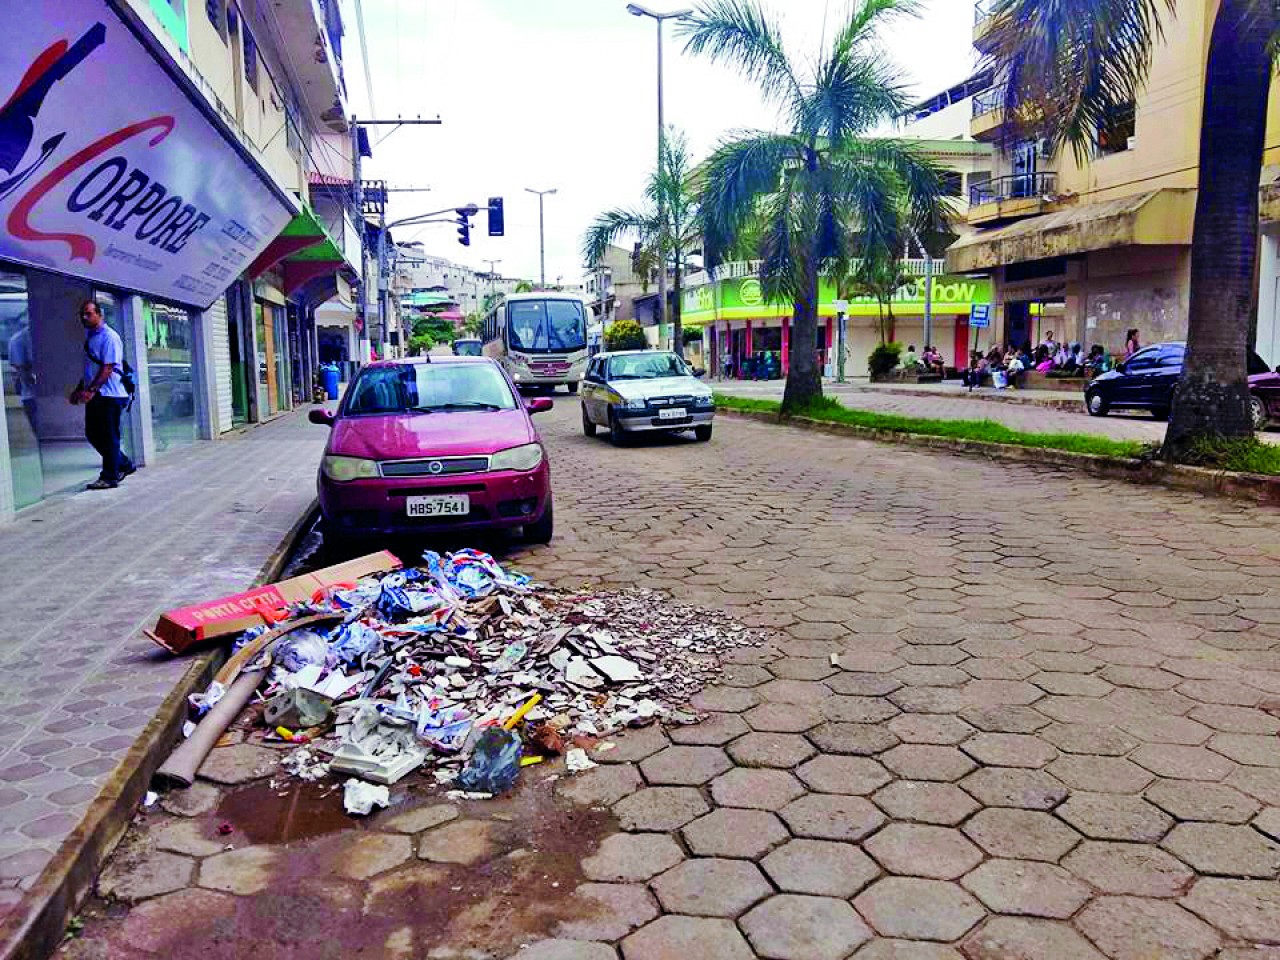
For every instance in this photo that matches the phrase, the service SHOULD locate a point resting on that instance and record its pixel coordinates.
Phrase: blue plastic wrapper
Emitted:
(356, 640)
(470, 573)
(495, 763)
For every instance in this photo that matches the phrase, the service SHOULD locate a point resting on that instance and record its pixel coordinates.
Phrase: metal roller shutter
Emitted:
(221, 361)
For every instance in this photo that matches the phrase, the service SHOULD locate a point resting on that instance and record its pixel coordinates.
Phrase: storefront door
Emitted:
(265, 323)
(169, 370)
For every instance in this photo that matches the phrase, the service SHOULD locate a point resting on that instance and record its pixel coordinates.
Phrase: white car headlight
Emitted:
(345, 469)
(633, 404)
(525, 457)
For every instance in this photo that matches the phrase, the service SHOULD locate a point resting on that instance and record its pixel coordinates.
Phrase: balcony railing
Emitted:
(1017, 187)
(988, 101)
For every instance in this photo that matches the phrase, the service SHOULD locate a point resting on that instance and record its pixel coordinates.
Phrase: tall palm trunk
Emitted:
(1213, 397)
(804, 380)
(677, 323)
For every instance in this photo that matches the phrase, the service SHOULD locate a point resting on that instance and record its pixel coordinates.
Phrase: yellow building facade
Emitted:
(1090, 247)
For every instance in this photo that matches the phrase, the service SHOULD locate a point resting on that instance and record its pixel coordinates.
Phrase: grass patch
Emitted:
(1248, 455)
(829, 409)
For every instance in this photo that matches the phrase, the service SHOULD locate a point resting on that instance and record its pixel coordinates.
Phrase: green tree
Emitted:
(524, 286)
(1072, 65)
(665, 238)
(824, 190)
(473, 324)
(879, 277)
(625, 335)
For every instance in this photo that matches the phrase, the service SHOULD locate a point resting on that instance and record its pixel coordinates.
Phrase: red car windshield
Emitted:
(429, 388)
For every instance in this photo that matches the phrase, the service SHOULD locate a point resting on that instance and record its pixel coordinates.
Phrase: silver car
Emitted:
(633, 391)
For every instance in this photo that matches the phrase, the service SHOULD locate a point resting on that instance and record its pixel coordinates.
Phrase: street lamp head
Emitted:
(638, 10)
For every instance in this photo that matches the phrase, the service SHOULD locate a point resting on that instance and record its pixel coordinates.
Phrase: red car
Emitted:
(433, 444)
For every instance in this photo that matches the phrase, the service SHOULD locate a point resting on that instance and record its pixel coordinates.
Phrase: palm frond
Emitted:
(738, 175)
(740, 33)
(851, 95)
(865, 20)
(611, 225)
(1069, 66)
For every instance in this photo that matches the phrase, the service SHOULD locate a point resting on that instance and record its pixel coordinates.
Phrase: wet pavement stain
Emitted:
(313, 899)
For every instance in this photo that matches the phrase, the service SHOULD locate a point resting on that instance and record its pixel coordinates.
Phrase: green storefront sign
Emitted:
(743, 299)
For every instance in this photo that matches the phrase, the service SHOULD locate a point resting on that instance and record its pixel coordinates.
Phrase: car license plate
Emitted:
(672, 413)
(450, 505)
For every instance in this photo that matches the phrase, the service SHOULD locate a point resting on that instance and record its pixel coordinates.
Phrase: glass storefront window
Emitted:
(21, 398)
(266, 364)
(169, 364)
(284, 393)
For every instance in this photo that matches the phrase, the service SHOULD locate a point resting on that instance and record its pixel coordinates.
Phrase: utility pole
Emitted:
(492, 275)
(357, 196)
(542, 235)
(928, 291)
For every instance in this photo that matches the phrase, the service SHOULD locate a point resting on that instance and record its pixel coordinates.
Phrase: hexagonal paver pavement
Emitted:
(820, 867)
(1009, 750)
(791, 927)
(602, 786)
(685, 766)
(918, 761)
(832, 817)
(1105, 816)
(711, 888)
(854, 776)
(1129, 868)
(1225, 850)
(857, 739)
(1245, 909)
(632, 858)
(1008, 787)
(782, 718)
(660, 809)
(567, 950)
(929, 728)
(916, 850)
(674, 936)
(1027, 888)
(1006, 938)
(756, 789)
(612, 911)
(1021, 834)
(1213, 802)
(745, 834)
(916, 909)
(781, 750)
(1100, 774)
(462, 841)
(1134, 928)
(924, 801)
(715, 730)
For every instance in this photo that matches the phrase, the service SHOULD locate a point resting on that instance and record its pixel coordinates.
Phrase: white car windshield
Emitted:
(430, 388)
(647, 366)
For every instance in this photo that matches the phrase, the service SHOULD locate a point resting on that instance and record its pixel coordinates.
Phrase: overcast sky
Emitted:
(562, 94)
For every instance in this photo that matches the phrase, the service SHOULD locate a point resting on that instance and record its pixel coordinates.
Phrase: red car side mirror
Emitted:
(322, 417)
(539, 404)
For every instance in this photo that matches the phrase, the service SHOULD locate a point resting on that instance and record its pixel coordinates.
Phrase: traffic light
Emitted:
(497, 223)
(464, 227)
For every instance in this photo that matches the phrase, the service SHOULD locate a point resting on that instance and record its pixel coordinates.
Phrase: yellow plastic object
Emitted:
(285, 732)
(524, 708)
(530, 761)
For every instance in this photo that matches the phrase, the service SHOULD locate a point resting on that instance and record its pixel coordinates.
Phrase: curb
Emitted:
(1250, 487)
(1021, 398)
(35, 927)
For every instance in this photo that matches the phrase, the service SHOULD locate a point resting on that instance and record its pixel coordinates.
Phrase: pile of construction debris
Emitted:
(473, 669)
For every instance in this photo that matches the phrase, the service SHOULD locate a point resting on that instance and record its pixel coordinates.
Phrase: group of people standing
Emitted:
(1007, 368)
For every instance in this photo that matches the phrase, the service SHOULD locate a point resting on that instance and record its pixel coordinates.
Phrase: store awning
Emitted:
(302, 232)
(1154, 218)
(304, 252)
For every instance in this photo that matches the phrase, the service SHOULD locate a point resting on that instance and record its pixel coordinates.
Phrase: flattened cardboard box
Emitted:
(179, 630)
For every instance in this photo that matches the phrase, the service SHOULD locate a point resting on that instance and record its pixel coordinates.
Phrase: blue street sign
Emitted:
(980, 315)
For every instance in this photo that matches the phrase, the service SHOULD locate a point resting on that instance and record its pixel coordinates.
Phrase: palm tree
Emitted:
(824, 191)
(664, 240)
(878, 277)
(1070, 65)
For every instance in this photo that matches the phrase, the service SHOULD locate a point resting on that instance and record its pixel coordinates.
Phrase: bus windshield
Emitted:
(546, 326)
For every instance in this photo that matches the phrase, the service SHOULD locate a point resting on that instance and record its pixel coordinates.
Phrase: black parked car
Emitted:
(1145, 381)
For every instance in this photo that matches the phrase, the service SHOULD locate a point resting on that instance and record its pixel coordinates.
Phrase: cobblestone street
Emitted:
(1017, 714)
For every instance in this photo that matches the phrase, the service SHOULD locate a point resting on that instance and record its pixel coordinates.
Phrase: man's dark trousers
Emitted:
(102, 429)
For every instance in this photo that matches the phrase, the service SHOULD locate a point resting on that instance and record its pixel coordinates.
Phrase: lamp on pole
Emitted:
(542, 234)
(639, 10)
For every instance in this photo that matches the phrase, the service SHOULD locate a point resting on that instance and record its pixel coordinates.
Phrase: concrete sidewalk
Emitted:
(83, 574)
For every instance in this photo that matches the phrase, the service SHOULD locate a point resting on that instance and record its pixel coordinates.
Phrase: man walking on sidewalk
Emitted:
(102, 391)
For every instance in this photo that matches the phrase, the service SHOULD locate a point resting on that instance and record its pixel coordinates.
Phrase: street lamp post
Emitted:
(639, 10)
(493, 264)
(542, 234)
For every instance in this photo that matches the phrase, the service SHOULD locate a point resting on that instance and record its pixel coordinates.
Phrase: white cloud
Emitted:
(562, 93)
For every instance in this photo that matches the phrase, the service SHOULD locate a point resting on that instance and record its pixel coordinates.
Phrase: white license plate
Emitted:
(672, 413)
(450, 505)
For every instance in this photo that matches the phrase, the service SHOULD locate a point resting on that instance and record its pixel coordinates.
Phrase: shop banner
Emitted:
(109, 172)
(744, 298)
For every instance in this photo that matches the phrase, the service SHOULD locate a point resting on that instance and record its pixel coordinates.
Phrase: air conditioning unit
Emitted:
(1133, 143)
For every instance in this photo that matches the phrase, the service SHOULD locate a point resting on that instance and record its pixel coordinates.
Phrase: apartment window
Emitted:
(951, 183)
(217, 13)
(250, 59)
(1115, 132)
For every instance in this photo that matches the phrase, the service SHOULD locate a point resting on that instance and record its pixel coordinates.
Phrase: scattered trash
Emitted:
(360, 798)
(470, 667)
(149, 799)
(225, 829)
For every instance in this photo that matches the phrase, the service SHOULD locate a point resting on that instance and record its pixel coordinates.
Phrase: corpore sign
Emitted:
(109, 172)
